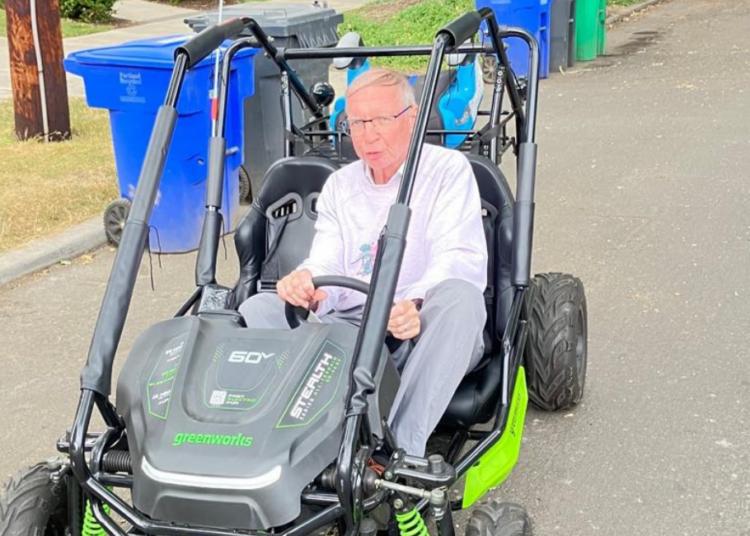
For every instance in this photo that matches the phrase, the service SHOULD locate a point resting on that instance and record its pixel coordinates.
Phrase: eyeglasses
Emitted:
(379, 124)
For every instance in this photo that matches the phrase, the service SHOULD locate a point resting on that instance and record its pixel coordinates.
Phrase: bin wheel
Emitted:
(489, 69)
(115, 216)
(246, 190)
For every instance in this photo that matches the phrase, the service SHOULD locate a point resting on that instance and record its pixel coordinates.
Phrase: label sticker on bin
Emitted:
(131, 81)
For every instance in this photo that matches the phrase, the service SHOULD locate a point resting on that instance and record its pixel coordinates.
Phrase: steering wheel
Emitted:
(294, 313)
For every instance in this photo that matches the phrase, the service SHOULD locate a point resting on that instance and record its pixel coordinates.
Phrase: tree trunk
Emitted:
(38, 97)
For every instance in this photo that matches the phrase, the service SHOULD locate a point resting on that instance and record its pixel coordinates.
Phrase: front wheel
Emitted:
(31, 503)
(499, 519)
(556, 349)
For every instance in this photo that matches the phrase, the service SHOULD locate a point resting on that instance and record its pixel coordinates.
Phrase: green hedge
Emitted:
(87, 10)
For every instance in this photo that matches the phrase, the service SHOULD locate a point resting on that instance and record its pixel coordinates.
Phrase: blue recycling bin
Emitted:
(533, 16)
(131, 80)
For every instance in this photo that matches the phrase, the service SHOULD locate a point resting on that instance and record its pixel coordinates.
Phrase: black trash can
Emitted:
(563, 31)
(291, 26)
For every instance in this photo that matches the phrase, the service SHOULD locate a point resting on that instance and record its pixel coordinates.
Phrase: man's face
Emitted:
(382, 147)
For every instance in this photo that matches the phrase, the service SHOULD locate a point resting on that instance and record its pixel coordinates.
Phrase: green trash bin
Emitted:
(591, 33)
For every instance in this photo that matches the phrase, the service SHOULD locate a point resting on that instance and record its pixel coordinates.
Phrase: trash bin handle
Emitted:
(203, 44)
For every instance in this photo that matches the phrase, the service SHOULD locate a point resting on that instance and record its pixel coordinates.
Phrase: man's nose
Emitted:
(369, 133)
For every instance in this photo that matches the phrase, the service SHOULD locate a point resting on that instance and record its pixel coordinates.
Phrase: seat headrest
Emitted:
(493, 187)
(298, 175)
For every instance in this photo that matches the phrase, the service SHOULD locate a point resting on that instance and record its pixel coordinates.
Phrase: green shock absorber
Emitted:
(91, 526)
(411, 524)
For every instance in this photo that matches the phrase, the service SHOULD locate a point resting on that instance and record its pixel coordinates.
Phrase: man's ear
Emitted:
(412, 113)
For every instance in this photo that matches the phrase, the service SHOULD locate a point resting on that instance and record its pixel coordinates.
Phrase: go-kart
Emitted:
(221, 429)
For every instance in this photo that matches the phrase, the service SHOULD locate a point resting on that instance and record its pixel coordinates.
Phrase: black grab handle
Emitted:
(462, 28)
(210, 39)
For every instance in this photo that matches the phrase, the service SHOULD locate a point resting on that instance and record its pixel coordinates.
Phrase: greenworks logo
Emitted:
(238, 440)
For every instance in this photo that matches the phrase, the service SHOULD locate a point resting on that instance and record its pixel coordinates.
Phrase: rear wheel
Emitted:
(31, 504)
(556, 348)
(499, 519)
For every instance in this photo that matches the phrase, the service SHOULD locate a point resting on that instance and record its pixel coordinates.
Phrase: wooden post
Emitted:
(38, 97)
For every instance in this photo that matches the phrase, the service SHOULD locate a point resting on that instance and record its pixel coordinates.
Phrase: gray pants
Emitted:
(450, 345)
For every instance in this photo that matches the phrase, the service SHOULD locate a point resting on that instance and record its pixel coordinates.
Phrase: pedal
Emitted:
(432, 472)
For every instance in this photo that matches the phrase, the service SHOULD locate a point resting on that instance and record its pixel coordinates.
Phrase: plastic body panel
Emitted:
(227, 425)
(497, 463)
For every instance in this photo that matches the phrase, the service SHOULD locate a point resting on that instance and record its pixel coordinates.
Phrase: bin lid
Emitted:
(152, 52)
(313, 24)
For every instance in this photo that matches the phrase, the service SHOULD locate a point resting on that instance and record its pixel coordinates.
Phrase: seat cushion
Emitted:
(282, 217)
(495, 192)
(476, 398)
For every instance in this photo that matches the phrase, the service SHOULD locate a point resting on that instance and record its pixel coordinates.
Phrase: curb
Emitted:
(43, 253)
(635, 9)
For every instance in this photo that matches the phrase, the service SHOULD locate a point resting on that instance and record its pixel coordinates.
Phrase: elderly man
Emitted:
(439, 303)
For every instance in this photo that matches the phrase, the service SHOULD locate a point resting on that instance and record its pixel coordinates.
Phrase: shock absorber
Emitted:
(411, 523)
(91, 526)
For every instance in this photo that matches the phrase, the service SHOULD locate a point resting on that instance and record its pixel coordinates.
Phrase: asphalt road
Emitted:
(642, 192)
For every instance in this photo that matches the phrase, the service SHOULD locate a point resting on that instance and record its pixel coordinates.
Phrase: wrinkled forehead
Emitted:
(375, 101)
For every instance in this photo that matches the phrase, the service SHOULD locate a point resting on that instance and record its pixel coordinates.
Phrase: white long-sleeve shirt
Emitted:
(445, 238)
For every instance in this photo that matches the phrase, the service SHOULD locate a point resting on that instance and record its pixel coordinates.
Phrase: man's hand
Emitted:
(404, 322)
(297, 289)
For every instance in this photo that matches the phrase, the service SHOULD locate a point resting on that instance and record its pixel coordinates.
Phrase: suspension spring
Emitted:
(91, 526)
(411, 524)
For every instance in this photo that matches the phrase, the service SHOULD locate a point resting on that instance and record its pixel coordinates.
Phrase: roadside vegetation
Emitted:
(47, 187)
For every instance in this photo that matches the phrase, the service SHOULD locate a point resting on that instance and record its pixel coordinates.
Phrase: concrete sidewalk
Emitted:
(142, 11)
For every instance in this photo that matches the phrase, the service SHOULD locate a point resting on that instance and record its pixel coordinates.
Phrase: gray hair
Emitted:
(383, 78)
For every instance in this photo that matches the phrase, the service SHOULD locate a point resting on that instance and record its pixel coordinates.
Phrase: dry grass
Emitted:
(47, 187)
